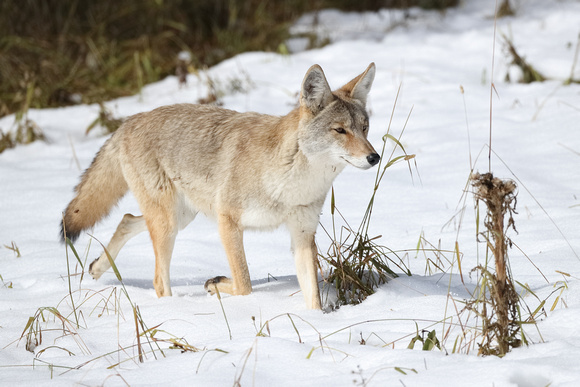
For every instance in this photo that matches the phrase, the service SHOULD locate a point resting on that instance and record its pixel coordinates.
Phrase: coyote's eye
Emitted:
(340, 130)
(365, 128)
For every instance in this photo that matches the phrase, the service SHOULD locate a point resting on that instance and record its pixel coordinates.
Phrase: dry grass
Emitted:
(90, 52)
(501, 324)
(105, 120)
(25, 130)
(505, 9)
(75, 52)
(529, 73)
(358, 265)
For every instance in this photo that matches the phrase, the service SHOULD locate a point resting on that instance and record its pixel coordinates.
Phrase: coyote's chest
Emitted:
(302, 189)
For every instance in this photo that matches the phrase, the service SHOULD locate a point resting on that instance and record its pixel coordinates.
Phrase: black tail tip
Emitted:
(66, 233)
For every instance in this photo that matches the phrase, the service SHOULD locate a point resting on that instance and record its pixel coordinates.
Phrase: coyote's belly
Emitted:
(256, 216)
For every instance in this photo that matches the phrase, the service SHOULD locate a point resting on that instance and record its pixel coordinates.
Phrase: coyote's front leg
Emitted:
(306, 260)
(232, 239)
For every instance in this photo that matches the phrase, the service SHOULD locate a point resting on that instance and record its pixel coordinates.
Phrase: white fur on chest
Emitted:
(303, 186)
(259, 216)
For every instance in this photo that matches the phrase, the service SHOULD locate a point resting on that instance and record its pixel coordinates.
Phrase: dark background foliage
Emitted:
(58, 52)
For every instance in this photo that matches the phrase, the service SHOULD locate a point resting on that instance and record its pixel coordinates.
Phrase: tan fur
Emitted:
(107, 187)
(245, 170)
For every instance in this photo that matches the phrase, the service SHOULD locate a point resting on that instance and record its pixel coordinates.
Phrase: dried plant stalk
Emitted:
(500, 198)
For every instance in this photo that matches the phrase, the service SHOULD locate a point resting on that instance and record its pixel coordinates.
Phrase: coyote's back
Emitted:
(246, 170)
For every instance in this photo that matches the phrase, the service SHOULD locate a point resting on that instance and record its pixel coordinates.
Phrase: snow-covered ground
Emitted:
(433, 56)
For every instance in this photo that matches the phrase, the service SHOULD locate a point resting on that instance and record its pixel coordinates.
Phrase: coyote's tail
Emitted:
(101, 187)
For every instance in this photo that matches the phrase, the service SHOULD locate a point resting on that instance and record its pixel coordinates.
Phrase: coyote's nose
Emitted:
(373, 158)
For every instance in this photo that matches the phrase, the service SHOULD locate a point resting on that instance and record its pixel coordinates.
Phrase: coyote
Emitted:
(245, 170)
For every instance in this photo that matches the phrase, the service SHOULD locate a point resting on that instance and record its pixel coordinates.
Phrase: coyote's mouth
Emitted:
(342, 157)
(354, 165)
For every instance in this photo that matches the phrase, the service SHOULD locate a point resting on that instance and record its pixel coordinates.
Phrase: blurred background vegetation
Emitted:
(61, 52)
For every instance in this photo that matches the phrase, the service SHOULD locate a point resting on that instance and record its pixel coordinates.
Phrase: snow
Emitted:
(433, 56)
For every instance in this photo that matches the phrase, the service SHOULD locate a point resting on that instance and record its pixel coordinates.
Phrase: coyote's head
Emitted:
(335, 124)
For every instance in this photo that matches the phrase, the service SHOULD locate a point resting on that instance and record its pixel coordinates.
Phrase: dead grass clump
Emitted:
(218, 88)
(501, 323)
(25, 130)
(105, 120)
(529, 73)
(5, 141)
(505, 9)
(358, 265)
(33, 332)
(14, 249)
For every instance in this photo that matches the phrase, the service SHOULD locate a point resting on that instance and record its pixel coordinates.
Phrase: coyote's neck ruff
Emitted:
(246, 170)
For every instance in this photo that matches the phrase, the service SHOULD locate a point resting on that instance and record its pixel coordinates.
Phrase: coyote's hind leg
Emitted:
(127, 229)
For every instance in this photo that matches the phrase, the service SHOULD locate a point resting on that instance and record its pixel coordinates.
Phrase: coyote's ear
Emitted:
(315, 93)
(360, 86)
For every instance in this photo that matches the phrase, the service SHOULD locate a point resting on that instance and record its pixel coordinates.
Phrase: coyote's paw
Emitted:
(94, 270)
(212, 283)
